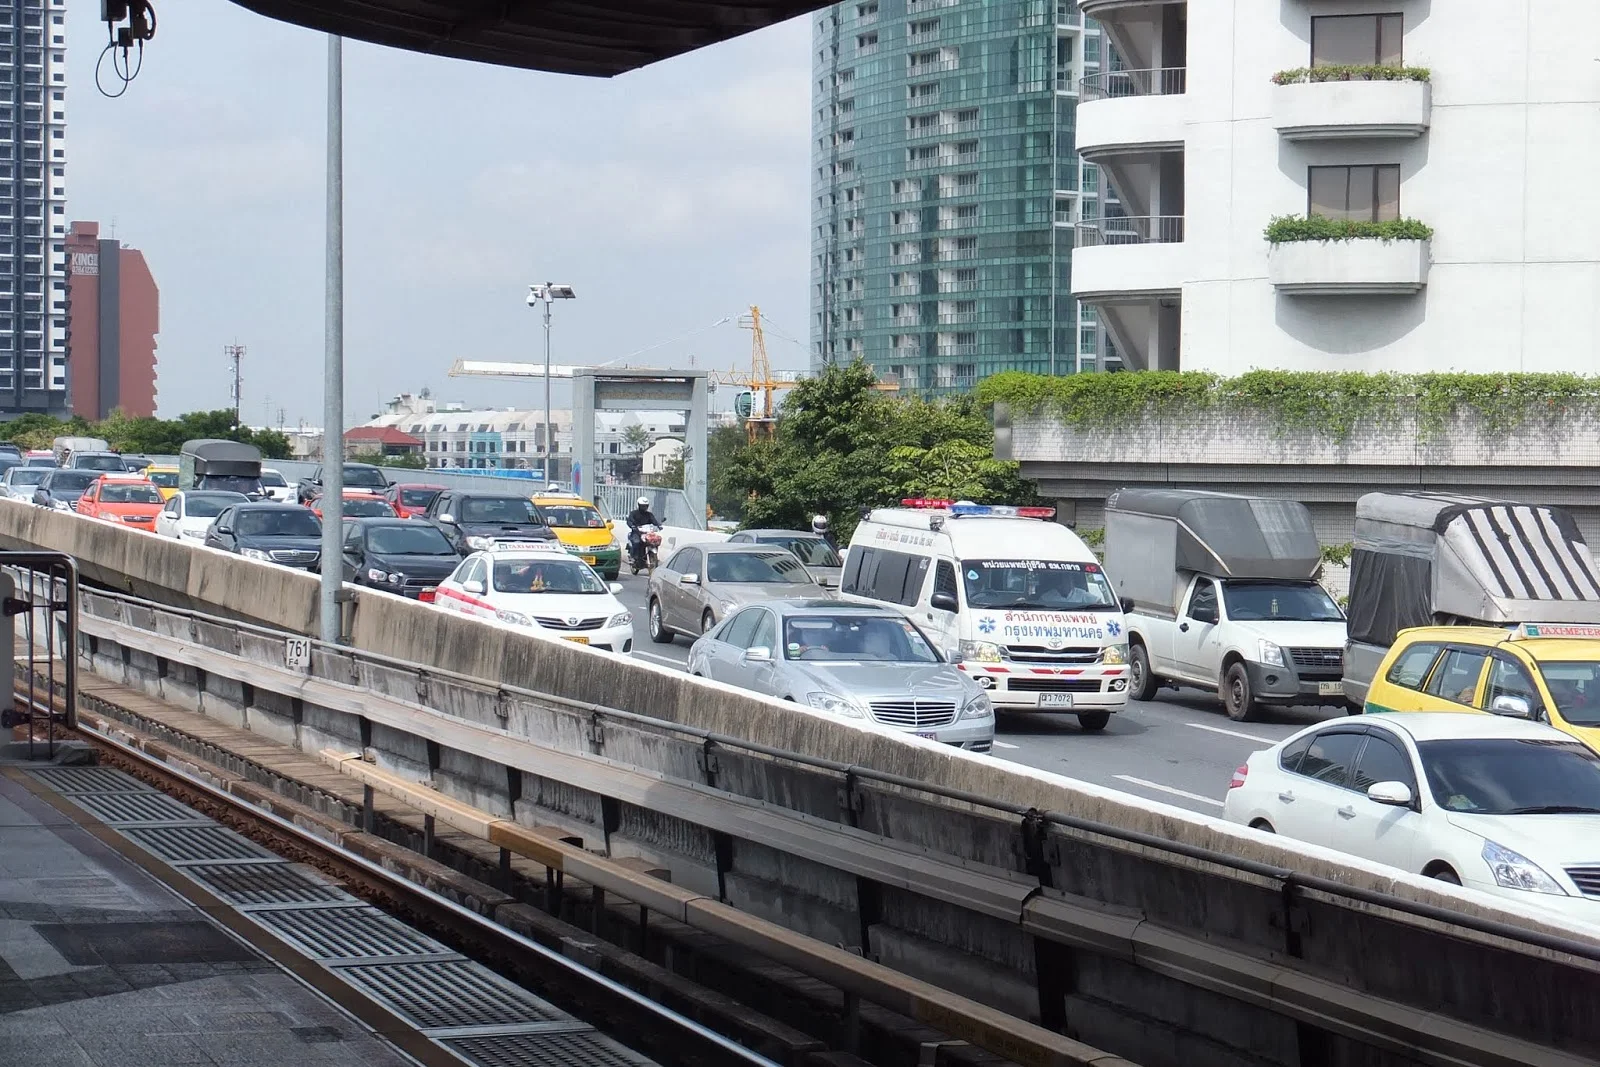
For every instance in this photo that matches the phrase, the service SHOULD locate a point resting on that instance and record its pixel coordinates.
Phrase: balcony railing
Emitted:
(1131, 230)
(1067, 13)
(1116, 84)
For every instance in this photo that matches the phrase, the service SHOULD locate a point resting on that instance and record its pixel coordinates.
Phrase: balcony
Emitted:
(1131, 110)
(1367, 266)
(1313, 106)
(1128, 257)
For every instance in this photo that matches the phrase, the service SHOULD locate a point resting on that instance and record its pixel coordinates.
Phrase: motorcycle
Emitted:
(644, 555)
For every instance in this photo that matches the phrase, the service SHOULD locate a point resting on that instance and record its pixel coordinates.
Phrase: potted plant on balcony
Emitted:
(1319, 256)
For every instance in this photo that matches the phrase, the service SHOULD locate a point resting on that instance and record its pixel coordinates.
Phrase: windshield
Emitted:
(1575, 687)
(498, 509)
(756, 567)
(364, 507)
(417, 540)
(572, 516)
(26, 475)
(553, 575)
(41, 461)
(1506, 776)
(418, 498)
(813, 551)
(863, 638)
(98, 463)
(210, 505)
(277, 522)
(1279, 602)
(129, 494)
(232, 483)
(273, 480)
(1042, 585)
(164, 479)
(364, 478)
(71, 483)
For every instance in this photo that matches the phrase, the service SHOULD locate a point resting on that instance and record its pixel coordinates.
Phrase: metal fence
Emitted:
(40, 588)
(671, 506)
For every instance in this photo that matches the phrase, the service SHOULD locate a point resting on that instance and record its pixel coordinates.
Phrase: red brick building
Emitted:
(113, 316)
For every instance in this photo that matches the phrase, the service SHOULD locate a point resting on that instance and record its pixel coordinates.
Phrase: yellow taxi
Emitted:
(165, 479)
(585, 533)
(1549, 672)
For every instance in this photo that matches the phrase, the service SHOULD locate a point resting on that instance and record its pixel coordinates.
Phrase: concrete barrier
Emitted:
(676, 537)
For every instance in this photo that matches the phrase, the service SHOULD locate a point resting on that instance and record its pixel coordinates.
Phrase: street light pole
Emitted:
(332, 564)
(548, 293)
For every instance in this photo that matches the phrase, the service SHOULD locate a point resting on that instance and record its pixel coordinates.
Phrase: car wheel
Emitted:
(1263, 825)
(1092, 722)
(1142, 682)
(658, 629)
(1445, 874)
(707, 620)
(1237, 699)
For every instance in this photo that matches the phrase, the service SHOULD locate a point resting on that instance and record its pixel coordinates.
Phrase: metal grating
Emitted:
(263, 883)
(135, 807)
(181, 844)
(348, 933)
(90, 780)
(452, 993)
(568, 1049)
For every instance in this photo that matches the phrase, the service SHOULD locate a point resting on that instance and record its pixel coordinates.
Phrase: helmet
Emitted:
(644, 502)
(819, 523)
(552, 488)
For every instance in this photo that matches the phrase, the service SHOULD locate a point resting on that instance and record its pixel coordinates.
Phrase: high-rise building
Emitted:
(33, 156)
(1458, 192)
(113, 316)
(946, 186)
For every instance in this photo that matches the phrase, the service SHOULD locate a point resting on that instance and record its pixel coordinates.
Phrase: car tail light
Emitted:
(1239, 776)
(426, 596)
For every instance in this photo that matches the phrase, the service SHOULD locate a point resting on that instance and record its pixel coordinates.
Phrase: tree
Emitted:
(671, 476)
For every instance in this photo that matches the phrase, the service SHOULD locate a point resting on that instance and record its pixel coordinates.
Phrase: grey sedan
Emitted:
(817, 555)
(848, 660)
(700, 584)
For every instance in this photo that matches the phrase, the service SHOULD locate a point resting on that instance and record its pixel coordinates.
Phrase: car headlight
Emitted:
(981, 652)
(198, 535)
(1114, 654)
(1515, 871)
(621, 619)
(515, 618)
(61, 505)
(255, 553)
(375, 575)
(834, 705)
(1271, 655)
(979, 707)
(479, 543)
(396, 578)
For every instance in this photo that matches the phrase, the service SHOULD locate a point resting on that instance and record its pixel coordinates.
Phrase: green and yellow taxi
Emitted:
(585, 533)
(1549, 672)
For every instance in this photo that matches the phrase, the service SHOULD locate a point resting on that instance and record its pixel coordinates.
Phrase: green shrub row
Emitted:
(1363, 73)
(1330, 403)
(1287, 228)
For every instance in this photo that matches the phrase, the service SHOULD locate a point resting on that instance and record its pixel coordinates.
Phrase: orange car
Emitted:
(125, 498)
(358, 505)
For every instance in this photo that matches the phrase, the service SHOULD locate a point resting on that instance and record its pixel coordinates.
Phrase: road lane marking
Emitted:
(1167, 789)
(1002, 744)
(678, 663)
(1232, 733)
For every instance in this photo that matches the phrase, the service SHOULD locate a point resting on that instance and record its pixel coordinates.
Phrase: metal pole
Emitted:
(549, 427)
(333, 361)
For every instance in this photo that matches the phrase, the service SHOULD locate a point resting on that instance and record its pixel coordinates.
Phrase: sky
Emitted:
(669, 198)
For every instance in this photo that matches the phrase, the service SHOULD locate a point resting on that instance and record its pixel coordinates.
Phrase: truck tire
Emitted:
(1142, 682)
(1237, 699)
(1092, 722)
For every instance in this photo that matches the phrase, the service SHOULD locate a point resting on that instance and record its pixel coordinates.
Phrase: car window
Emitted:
(1289, 758)
(686, 562)
(1508, 678)
(1329, 757)
(1456, 677)
(740, 539)
(1411, 668)
(224, 521)
(766, 632)
(459, 575)
(1512, 776)
(756, 568)
(174, 506)
(1203, 605)
(944, 578)
(352, 538)
(476, 571)
(1383, 760)
(742, 627)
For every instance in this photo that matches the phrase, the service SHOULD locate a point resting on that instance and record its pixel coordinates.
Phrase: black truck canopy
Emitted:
(210, 456)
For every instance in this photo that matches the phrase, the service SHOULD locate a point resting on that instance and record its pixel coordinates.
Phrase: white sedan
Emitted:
(542, 588)
(188, 515)
(1504, 805)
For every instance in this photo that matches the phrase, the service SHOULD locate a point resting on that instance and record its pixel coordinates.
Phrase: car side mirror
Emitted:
(1513, 706)
(1126, 603)
(759, 654)
(1393, 794)
(447, 518)
(943, 602)
(690, 579)
(473, 587)
(223, 529)
(616, 588)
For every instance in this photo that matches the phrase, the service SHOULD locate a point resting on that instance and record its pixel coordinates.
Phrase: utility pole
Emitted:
(333, 356)
(235, 354)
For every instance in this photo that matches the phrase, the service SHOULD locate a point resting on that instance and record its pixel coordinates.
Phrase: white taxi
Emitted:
(538, 585)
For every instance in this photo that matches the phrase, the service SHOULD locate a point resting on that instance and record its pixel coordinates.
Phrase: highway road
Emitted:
(1180, 749)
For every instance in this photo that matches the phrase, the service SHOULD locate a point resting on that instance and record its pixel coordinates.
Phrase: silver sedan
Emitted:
(857, 662)
(699, 585)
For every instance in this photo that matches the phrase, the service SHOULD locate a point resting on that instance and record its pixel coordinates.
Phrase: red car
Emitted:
(358, 505)
(123, 498)
(410, 501)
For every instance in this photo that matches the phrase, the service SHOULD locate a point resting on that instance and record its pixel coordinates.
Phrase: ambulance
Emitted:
(1009, 596)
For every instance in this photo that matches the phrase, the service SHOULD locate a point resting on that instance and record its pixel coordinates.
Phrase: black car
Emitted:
(275, 533)
(61, 488)
(400, 555)
(474, 520)
(356, 476)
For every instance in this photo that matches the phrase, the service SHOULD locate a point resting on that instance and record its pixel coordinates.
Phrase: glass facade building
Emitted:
(947, 186)
(33, 223)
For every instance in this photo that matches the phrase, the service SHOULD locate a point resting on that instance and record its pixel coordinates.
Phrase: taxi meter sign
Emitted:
(1556, 629)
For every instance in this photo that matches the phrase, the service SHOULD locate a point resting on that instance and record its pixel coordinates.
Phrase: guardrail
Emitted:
(1120, 84)
(1130, 230)
(1056, 912)
(42, 589)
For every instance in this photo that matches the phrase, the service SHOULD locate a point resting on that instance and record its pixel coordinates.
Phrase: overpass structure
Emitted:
(1043, 920)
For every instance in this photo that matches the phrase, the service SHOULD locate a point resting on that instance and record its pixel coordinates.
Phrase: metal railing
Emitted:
(42, 589)
(671, 506)
(1116, 84)
(1131, 230)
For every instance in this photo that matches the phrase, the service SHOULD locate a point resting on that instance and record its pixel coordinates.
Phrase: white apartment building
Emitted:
(1486, 128)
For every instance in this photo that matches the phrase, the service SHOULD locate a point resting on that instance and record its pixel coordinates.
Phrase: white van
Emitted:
(1012, 597)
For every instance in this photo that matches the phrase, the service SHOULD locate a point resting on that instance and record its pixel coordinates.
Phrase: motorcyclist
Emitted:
(819, 526)
(640, 516)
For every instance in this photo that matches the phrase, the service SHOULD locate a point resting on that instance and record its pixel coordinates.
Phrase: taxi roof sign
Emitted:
(1555, 629)
(526, 546)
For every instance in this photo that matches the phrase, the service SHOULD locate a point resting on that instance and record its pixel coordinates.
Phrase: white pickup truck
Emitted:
(1218, 593)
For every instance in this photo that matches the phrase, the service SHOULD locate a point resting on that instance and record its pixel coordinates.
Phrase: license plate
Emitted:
(929, 736)
(577, 640)
(587, 559)
(1055, 700)
(1330, 689)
